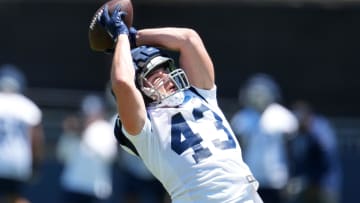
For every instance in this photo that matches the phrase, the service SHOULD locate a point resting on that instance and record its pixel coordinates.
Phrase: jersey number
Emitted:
(192, 140)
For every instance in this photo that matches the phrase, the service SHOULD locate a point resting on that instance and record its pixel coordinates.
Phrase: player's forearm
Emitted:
(169, 37)
(122, 71)
(193, 57)
(122, 67)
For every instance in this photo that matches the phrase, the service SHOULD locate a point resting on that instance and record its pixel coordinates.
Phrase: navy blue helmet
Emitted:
(147, 59)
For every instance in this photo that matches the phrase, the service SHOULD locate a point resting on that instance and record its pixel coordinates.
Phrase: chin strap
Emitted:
(173, 100)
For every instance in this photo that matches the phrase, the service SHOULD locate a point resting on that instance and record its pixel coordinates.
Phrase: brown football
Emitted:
(99, 39)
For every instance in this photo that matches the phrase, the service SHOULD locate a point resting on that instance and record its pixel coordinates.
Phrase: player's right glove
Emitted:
(113, 24)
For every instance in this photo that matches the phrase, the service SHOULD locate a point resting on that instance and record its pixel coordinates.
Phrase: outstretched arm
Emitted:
(194, 58)
(130, 104)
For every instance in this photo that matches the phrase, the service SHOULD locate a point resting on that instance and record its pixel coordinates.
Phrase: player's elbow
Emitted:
(122, 77)
(190, 36)
(121, 84)
(190, 39)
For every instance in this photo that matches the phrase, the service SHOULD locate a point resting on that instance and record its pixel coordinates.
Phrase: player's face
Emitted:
(159, 79)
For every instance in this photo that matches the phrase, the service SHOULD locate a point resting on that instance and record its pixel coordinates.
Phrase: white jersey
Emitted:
(88, 170)
(17, 115)
(192, 151)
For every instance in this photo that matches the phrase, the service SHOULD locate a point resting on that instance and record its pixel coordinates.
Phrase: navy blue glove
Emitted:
(113, 24)
(132, 37)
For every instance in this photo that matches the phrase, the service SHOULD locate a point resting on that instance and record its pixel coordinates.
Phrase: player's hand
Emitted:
(113, 24)
(132, 37)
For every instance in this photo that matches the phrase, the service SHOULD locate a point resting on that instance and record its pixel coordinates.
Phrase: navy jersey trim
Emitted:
(197, 93)
(122, 139)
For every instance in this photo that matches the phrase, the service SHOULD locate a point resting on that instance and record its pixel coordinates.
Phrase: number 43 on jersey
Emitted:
(192, 140)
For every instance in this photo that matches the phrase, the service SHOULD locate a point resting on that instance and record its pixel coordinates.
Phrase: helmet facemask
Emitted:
(156, 91)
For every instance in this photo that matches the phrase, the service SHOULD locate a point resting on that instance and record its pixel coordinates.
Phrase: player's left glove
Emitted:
(113, 24)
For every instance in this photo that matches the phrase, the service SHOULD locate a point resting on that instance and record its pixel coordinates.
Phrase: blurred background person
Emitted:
(261, 126)
(69, 140)
(316, 171)
(138, 185)
(87, 175)
(21, 136)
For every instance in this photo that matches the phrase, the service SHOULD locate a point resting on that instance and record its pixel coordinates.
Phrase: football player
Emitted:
(170, 118)
(21, 135)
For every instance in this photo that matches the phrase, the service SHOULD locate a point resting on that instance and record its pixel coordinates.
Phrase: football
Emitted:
(99, 39)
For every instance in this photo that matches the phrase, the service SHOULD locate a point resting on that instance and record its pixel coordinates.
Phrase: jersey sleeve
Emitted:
(142, 135)
(126, 140)
(208, 95)
(123, 141)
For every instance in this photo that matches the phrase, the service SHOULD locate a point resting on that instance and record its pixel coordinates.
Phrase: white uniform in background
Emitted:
(17, 115)
(88, 170)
